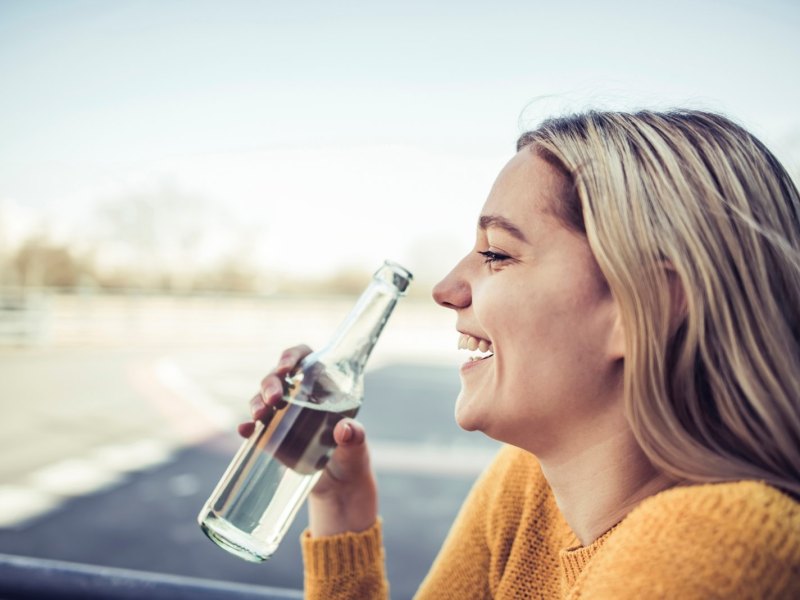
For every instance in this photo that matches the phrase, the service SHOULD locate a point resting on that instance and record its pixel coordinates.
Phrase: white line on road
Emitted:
(47, 488)
(21, 503)
(426, 459)
(175, 380)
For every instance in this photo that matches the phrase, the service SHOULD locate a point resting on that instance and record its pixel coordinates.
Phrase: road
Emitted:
(109, 449)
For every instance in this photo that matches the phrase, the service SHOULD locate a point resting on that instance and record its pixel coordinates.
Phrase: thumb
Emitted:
(350, 460)
(346, 496)
(349, 433)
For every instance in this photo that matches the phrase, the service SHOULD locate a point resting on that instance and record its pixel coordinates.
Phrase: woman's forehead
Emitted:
(526, 191)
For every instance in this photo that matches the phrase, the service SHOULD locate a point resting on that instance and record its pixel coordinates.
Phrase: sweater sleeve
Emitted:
(471, 562)
(349, 566)
(738, 540)
(464, 568)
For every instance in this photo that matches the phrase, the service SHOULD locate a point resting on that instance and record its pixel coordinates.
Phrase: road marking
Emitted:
(19, 504)
(177, 399)
(73, 477)
(175, 380)
(425, 459)
(135, 456)
(45, 489)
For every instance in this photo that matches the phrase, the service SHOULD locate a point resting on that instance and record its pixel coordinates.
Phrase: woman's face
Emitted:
(532, 293)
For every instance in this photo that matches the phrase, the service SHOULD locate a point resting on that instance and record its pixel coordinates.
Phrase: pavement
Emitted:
(118, 425)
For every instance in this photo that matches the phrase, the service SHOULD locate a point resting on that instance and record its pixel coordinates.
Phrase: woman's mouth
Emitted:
(483, 347)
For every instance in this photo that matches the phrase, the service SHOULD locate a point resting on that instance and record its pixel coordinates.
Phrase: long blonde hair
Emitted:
(689, 200)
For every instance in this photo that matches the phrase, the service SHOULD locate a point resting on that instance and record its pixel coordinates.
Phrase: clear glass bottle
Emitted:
(273, 472)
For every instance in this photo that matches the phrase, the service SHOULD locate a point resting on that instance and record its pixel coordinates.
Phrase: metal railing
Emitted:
(28, 578)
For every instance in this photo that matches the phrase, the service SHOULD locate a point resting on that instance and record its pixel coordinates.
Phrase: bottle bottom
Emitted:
(234, 540)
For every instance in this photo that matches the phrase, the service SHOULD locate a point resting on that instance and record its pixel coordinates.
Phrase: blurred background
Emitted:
(187, 187)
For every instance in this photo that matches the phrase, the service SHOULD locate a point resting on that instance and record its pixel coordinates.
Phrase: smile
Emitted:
(484, 347)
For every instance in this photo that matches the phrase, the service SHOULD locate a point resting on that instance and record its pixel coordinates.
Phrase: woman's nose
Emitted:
(453, 291)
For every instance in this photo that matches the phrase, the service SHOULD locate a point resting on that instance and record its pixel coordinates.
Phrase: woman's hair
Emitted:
(696, 227)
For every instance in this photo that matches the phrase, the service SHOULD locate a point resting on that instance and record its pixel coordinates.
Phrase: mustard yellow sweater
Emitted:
(731, 540)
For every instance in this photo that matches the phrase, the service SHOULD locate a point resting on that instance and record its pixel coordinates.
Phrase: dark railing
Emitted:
(28, 578)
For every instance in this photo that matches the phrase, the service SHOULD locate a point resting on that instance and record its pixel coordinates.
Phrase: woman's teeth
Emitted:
(468, 342)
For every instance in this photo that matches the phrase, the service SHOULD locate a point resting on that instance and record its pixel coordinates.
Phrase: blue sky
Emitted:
(339, 108)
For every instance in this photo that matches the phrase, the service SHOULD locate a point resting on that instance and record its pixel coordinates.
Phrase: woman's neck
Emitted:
(596, 485)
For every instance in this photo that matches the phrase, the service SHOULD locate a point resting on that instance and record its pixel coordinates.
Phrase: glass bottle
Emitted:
(273, 472)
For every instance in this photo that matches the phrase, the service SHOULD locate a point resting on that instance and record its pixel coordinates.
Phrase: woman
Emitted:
(634, 293)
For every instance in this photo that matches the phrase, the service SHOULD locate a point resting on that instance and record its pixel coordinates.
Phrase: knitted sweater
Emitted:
(727, 540)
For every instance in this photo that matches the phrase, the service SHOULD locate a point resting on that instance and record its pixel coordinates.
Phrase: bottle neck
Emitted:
(356, 337)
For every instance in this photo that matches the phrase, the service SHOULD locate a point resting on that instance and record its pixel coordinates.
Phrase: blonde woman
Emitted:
(633, 299)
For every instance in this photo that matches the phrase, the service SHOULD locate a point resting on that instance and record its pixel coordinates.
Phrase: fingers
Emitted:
(246, 429)
(259, 411)
(263, 404)
(271, 391)
(258, 407)
(272, 385)
(290, 358)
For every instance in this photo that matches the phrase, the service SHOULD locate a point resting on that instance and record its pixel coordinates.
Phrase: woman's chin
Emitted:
(467, 414)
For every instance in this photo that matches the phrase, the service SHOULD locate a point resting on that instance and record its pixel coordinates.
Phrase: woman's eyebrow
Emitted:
(487, 221)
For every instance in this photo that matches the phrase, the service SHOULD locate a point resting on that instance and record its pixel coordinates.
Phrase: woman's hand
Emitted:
(345, 497)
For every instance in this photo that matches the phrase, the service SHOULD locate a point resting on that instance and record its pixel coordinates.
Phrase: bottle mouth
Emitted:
(394, 274)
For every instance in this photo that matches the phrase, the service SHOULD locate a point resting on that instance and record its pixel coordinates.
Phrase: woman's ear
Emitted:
(678, 305)
(678, 310)
(617, 344)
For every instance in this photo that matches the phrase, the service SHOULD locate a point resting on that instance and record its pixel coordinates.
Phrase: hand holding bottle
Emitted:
(345, 497)
(303, 418)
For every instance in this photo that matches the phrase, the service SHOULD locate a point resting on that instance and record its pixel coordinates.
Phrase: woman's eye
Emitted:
(490, 257)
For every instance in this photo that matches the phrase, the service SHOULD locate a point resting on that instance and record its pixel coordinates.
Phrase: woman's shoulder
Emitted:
(751, 507)
(710, 540)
